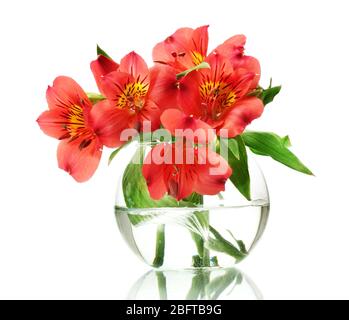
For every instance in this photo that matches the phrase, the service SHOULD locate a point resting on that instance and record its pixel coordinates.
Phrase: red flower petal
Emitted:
(51, 123)
(154, 173)
(233, 47)
(173, 51)
(80, 163)
(243, 113)
(207, 174)
(182, 186)
(163, 87)
(134, 65)
(220, 67)
(212, 176)
(200, 41)
(177, 122)
(151, 113)
(65, 92)
(242, 81)
(189, 98)
(250, 64)
(114, 84)
(184, 49)
(101, 67)
(233, 50)
(109, 122)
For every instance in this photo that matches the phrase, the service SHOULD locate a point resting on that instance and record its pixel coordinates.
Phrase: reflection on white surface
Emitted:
(217, 284)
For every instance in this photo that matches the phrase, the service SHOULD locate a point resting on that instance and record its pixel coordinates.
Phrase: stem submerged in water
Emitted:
(160, 247)
(203, 259)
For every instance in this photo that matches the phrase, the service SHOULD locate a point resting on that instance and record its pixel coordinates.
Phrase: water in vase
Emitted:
(177, 238)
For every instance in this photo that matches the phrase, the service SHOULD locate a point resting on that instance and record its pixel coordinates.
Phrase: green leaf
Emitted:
(219, 244)
(203, 65)
(195, 199)
(266, 95)
(240, 243)
(276, 147)
(286, 142)
(101, 52)
(95, 97)
(242, 246)
(233, 146)
(241, 176)
(269, 94)
(116, 152)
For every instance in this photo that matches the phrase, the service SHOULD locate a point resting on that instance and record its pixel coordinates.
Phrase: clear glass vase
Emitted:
(217, 231)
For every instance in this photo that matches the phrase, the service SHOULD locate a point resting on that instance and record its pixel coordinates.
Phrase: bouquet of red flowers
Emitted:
(192, 107)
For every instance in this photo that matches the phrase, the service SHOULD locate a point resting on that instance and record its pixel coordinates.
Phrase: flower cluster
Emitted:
(213, 95)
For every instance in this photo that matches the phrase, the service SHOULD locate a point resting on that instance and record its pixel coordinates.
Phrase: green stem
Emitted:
(160, 247)
(202, 65)
(95, 97)
(204, 253)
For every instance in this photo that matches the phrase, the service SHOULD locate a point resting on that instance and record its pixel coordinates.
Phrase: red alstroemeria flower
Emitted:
(187, 48)
(69, 119)
(184, 49)
(179, 170)
(217, 96)
(129, 101)
(101, 67)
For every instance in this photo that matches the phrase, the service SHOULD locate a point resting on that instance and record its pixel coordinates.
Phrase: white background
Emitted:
(59, 239)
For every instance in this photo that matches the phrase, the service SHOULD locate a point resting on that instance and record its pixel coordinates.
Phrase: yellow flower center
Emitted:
(75, 126)
(216, 97)
(76, 120)
(132, 97)
(197, 57)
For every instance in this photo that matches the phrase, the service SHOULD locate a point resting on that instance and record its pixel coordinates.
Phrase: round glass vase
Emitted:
(205, 232)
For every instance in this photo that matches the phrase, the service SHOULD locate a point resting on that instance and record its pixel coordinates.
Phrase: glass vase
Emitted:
(207, 232)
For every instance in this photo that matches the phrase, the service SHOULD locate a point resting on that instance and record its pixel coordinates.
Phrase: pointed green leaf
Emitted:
(269, 94)
(266, 95)
(116, 152)
(233, 146)
(195, 199)
(241, 176)
(286, 142)
(219, 244)
(272, 145)
(101, 52)
(240, 243)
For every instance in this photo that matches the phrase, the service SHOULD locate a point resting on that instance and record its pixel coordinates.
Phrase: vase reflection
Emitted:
(200, 284)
